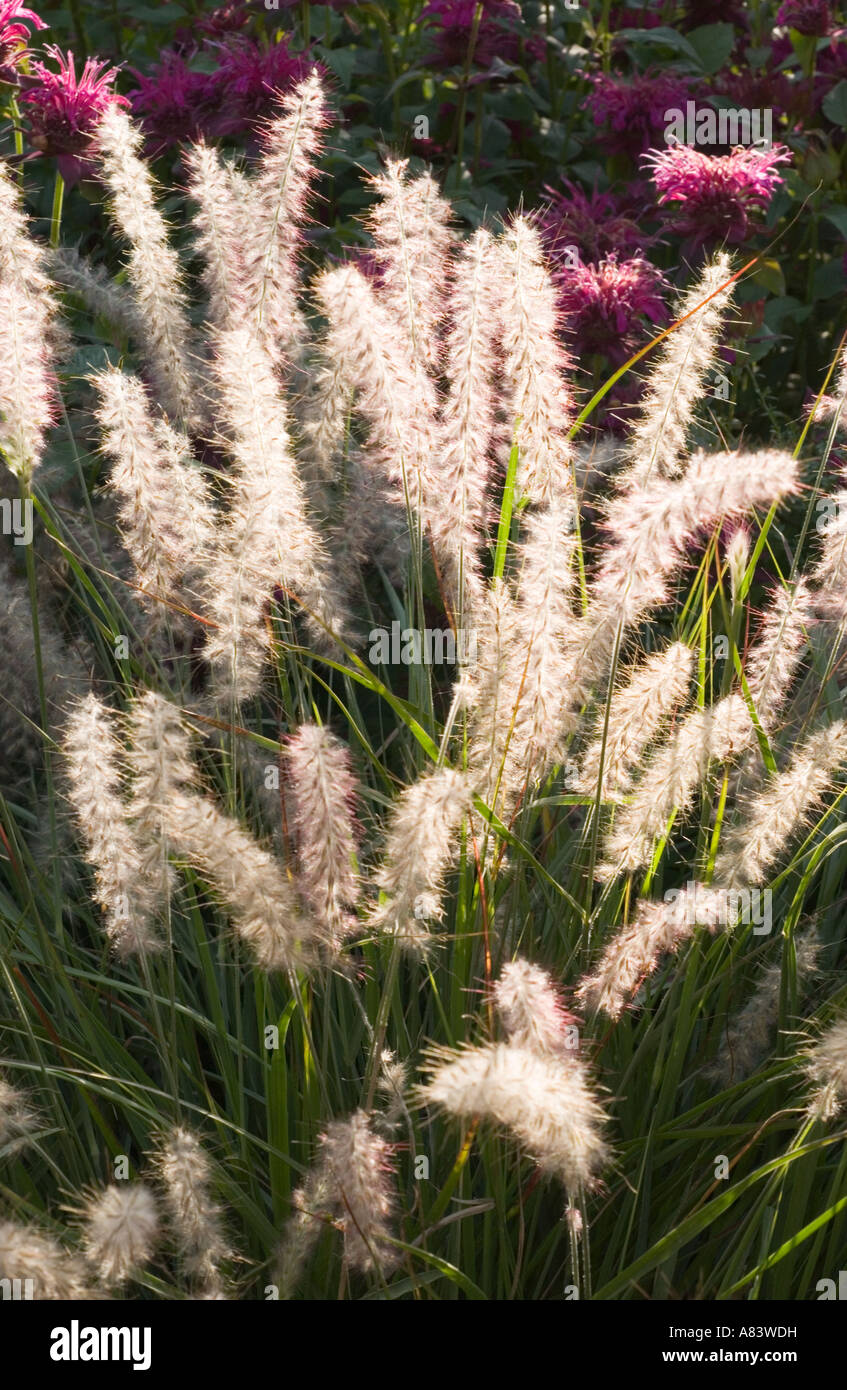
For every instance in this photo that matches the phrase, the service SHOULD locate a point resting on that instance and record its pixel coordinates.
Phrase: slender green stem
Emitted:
(56, 214)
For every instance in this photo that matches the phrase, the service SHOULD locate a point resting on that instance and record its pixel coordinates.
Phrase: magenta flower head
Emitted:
(331, 4)
(497, 32)
(806, 16)
(634, 111)
(593, 223)
(174, 103)
(249, 80)
(604, 305)
(699, 12)
(717, 195)
(629, 17)
(64, 109)
(226, 19)
(14, 17)
(765, 91)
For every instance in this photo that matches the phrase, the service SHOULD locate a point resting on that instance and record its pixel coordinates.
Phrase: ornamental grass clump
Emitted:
(377, 962)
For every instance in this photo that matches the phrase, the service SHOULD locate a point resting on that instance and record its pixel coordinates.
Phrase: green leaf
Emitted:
(785, 307)
(161, 17)
(835, 104)
(662, 37)
(496, 137)
(769, 275)
(506, 507)
(713, 44)
(699, 1221)
(758, 347)
(83, 362)
(462, 1281)
(342, 61)
(838, 217)
(804, 45)
(829, 280)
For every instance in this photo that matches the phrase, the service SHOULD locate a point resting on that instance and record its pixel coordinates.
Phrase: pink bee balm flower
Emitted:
(633, 17)
(495, 32)
(14, 17)
(698, 12)
(13, 36)
(604, 303)
(593, 223)
(806, 16)
(768, 90)
(64, 109)
(251, 78)
(634, 111)
(227, 19)
(174, 102)
(717, 194)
